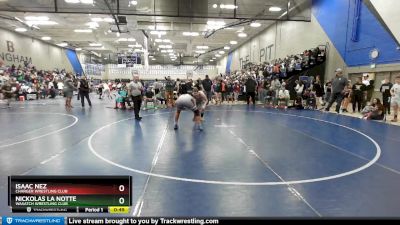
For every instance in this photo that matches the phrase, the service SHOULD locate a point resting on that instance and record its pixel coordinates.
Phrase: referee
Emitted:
(135, 90)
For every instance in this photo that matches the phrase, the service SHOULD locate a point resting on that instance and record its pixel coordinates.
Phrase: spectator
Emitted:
(84, 90)
(318, 88)
(207, 84)
(149, 97)
(395, 99)
(251, 85)
(358, 95)
(169, 91)
(338, 85)
(283, 95)
(385, 90)
(68, 90)
(377, 112)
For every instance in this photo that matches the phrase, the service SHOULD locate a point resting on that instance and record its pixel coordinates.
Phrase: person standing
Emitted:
(385, 90)
(84, 90)
(369, 86)
(338, 85)
(395, 99)
(135, 90)
(358, 95)
(319, 89)
(68, 89)
(207, 84)
(251, 86)
(169, 91)
(157, 86)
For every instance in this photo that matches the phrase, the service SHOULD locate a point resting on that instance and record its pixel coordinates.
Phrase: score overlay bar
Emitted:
(51, 193)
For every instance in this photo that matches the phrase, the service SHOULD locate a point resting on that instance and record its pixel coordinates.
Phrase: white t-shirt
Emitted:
(366, 82)
(60, 85)
(284, 94)
(396, 90)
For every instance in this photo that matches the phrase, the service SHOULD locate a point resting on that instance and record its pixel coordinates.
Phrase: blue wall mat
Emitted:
(229, 63)
(337, 19)
(73, 59)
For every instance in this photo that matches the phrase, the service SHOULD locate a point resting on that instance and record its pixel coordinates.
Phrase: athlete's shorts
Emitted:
(184, 102)
(395, 101)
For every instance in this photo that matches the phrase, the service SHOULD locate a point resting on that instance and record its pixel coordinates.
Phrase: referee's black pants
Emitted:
(137, 102)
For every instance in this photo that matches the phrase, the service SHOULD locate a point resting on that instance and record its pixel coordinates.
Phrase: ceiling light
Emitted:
(153, 59)
(228, 6)
(41, 22)
(171, 54)
(274, 9)
(20, 29)
(202, 47)
(46, 38)
(170, 50)
(158, 32)
(227, 47)
(126, 39)
(133, 2)
(215, 6)
(92, 25)
(217, 55)
(108, 20)
(165, 46)
(95, 44)
(96, 19)
(211, 60)
(233, 42)
(193, 34)
(200, 51)
(36, 18)
(78, 49)
(255, 24)
(221, 52)
(63, 44)
(87, 1)
(72, 1)
(163, 51)
(158, 40)
(214, 58)
(83, 31)
(135, 46)
(242, 35)
(118, 34)
(215, 24)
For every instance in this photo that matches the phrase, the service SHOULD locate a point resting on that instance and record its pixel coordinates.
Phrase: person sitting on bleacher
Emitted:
(298, 103)
(269, 97)
(149, 97)
(310, 99)
(283, 96)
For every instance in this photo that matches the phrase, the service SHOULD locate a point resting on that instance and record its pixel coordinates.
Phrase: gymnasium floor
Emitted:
(248, 161)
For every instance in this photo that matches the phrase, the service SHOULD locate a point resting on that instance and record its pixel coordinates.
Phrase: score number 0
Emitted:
(121, 200)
